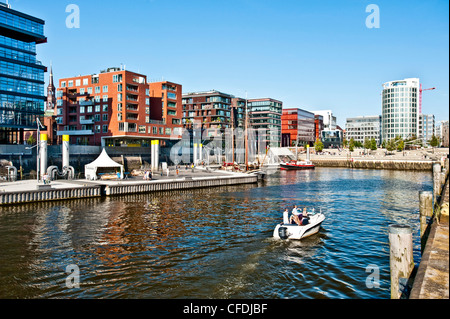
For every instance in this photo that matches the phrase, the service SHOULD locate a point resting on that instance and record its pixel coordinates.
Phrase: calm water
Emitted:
(213, 243)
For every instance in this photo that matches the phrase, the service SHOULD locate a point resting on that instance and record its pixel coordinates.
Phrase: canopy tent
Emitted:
(103, 161)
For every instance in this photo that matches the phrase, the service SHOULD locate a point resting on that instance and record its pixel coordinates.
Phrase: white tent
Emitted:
(90, 170)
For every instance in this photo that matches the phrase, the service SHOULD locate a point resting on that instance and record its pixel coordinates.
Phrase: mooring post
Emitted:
(401, 258)
(436, 180)
(425, 210)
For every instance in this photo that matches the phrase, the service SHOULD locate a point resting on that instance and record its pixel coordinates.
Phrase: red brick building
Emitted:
(117, 108)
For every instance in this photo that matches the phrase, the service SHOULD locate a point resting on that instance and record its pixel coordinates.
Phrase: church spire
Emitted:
(51, 94)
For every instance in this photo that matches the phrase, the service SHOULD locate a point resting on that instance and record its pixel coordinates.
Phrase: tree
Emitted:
(345, 142)
(400, 145)
(367, 144)
(383, 144)
(31, 140)
(390, 145)
(434, 142)
(373, 144)
(318, 145)
(351, 145)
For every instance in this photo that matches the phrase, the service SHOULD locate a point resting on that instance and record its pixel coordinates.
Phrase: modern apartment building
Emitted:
(364, 127)
(211, 109)
(297, 126)
(21, 74)
(114, 108)
(265, 117)
(400, 114)
(426, 127)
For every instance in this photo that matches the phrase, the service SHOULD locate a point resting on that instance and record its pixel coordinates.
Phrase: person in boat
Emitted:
(296, 216)
(305, 217)
(286, 216)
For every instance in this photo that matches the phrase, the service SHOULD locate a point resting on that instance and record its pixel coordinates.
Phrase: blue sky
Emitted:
(313, 55)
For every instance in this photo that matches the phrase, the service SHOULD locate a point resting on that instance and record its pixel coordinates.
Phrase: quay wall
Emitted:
(121, 189)
(31, 196)
(375, 164)
(118, 188)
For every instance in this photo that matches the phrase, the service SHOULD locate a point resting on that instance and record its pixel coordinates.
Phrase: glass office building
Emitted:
(400, 109)
(21, 74)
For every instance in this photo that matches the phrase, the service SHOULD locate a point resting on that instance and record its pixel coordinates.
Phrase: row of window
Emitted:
(21, 86)
(21, 71)
(17, 44)
(21, 23)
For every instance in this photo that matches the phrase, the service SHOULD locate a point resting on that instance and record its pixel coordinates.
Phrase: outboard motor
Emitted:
(283, 232)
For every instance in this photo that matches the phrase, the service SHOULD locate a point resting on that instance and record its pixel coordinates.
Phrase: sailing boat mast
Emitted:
(246, 133)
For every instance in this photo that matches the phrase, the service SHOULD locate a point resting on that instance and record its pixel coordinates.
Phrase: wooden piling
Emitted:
(436, 180)
(401, 258)
(426, 211)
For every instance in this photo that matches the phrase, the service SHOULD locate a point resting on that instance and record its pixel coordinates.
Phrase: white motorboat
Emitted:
(294, 231)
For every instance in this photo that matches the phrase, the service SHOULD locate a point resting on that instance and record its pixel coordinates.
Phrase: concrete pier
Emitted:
(31, 191)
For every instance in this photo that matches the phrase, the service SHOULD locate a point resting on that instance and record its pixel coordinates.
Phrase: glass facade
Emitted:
(21, 74)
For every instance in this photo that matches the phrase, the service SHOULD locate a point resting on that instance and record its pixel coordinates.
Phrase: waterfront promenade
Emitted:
(432, 278)
(28, 191)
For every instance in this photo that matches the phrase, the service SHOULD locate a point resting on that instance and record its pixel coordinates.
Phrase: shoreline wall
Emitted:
(375, 164)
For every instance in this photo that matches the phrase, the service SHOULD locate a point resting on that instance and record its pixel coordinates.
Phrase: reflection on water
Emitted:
(214, 243)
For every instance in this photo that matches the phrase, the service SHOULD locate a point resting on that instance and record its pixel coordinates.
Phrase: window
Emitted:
(161, 130)
(155, 130)
(142, 129)
(119, 97)
(117, 78)
(77, 82)
(82, 91)
(104, 117)
(63, 84)
(105, 107)
(97, 118)
(105, 128)
(168, 131)
(97, 129)
(97, 108)
(81, 109)
(70, 83)
(97, 98)
(105, 89)
(97, 89)
(89, 90)
(89, 109)
(171, 95)
(119, 87)
(105, 98)
(119, 107)
(86, 81)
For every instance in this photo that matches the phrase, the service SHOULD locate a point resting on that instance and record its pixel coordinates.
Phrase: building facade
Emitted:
(21, 74)
(211, 109)
(113, 108)
(265, 117)
(364, 127)
(426, 127)
(400, 114)
(297, 127)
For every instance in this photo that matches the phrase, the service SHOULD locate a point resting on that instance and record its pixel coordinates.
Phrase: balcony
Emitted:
(91, 121)
(86, 103)
(76, 132)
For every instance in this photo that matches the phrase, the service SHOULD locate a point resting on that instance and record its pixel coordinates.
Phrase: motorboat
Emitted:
(294, 231)
(296, 165)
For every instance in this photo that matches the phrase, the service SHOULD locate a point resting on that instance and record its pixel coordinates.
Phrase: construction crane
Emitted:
(420, 97)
